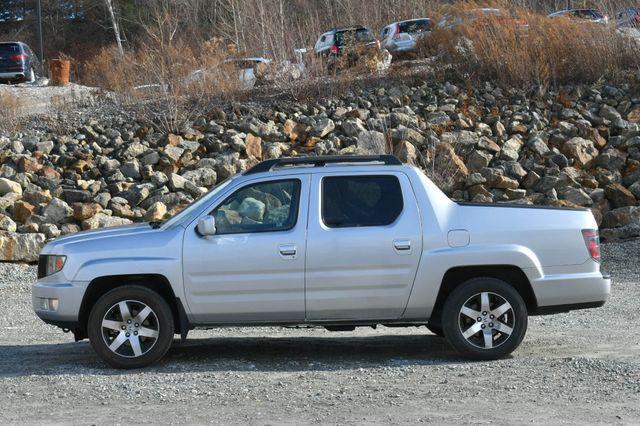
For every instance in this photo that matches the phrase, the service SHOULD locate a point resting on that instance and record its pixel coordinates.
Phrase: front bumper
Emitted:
(565, 292)
(69, 299)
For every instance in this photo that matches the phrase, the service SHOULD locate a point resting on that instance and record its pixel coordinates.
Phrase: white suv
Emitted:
(336, 242)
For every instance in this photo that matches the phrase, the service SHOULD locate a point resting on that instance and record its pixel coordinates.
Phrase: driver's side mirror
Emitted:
(206, 226)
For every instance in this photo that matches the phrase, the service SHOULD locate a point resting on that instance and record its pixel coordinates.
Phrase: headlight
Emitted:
(50, 264)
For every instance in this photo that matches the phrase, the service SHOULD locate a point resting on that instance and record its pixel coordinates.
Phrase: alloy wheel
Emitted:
(130, 328)
(486, 320)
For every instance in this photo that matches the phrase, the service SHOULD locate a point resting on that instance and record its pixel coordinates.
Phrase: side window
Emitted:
(323, 39)
(353, 201)
(261, 207)
(385, 33)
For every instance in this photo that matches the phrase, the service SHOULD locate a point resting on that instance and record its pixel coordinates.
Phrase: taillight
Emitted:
(334, 49)
(592, 241)
(18, 57)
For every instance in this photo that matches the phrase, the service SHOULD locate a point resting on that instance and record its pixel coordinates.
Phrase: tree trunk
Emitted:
(114, 24)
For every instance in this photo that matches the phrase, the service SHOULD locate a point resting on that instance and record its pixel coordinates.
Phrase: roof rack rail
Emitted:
(320, 161)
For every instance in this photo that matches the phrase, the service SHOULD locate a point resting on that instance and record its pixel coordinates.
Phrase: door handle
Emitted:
(288, 251)
(402, 245)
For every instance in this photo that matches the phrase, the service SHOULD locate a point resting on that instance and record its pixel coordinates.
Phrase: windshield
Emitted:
(199, 203)
(9, 48)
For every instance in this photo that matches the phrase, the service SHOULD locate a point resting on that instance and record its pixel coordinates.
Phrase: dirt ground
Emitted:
(578, 368)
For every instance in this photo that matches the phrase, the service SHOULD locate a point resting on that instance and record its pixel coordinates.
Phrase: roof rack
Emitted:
(321, 161)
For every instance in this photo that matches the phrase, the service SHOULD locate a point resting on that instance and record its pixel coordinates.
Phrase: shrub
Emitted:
(546, 52)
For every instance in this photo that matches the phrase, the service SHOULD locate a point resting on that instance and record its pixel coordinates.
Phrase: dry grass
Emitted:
(10, 107)
(166, 81)
(546, 52)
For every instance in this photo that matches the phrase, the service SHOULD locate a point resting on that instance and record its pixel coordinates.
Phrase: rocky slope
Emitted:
(579, 146)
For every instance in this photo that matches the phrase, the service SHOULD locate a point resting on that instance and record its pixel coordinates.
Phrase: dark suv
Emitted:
(17, 62)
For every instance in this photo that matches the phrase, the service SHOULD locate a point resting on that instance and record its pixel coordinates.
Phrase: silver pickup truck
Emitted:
(336, 242)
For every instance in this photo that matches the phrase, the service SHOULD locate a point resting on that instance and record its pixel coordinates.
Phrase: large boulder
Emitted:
(20, 247)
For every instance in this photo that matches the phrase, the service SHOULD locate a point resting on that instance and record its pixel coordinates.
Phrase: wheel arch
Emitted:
(100, 286)
(512, 275)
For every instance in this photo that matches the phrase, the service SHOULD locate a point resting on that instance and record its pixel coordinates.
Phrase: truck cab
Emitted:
(337, 242)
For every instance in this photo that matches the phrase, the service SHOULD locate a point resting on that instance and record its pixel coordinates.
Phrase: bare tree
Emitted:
(116, 27)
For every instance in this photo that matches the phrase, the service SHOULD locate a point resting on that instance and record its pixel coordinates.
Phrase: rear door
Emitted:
(363, 246)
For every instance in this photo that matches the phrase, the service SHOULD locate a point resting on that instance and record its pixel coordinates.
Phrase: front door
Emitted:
(253, 268)
(364, 245)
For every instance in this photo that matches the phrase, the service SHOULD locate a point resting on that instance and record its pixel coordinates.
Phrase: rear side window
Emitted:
(354, 201)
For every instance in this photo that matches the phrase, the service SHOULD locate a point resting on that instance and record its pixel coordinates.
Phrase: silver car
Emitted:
(336, 242)
(401, 38)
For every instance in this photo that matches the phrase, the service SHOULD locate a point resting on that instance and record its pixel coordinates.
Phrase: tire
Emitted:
(435, 329)
(121, 341)
(500, 328)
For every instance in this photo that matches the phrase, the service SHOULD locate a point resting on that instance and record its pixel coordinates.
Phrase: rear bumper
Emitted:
(566, 292)
(10, 75)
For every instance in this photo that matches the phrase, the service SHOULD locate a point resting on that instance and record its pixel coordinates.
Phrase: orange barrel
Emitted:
(60, 70)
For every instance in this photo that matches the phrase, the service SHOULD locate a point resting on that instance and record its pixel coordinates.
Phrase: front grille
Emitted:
(42, 266)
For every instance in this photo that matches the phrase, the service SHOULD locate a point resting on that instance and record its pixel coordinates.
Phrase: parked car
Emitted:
(336, 41)
(588, 15)
(17, 62)
(401, 38)
(354, 241)
(628, 18)
(481, 18)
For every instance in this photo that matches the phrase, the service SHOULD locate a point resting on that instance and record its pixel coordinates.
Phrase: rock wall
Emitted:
(579, 146)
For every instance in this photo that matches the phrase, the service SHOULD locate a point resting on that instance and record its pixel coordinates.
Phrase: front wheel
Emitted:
(484, 319)
(131, 327)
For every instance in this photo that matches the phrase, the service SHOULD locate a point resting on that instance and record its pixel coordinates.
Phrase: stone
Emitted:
(203, 176)
(619, 195)
(504, 182)
(156, 212)
(50, 230)
(176, 182)
(131, 169)
(57, 211)
(479, 160)
(511, 149)
(449, 171)
(102, 220)
(371, 143)
(7, 186)
(84, 211)
(252, 209)
(406, 152)
(253, 146)
(582, 151)
(21, 247)
(22, 210)
(537, 145)
(323, 127)
(353, 127)
(173, 153)
(7, 224)
(611, 159)
(576, 196)
(295, 131)
(635, 189)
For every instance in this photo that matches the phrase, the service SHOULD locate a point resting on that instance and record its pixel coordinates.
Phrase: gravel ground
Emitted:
(579, 368)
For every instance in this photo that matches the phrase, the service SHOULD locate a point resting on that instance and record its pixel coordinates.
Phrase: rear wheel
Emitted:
(131, 327)
(484, 318)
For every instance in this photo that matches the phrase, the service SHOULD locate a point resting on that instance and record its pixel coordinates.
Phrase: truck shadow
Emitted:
(239, 354)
